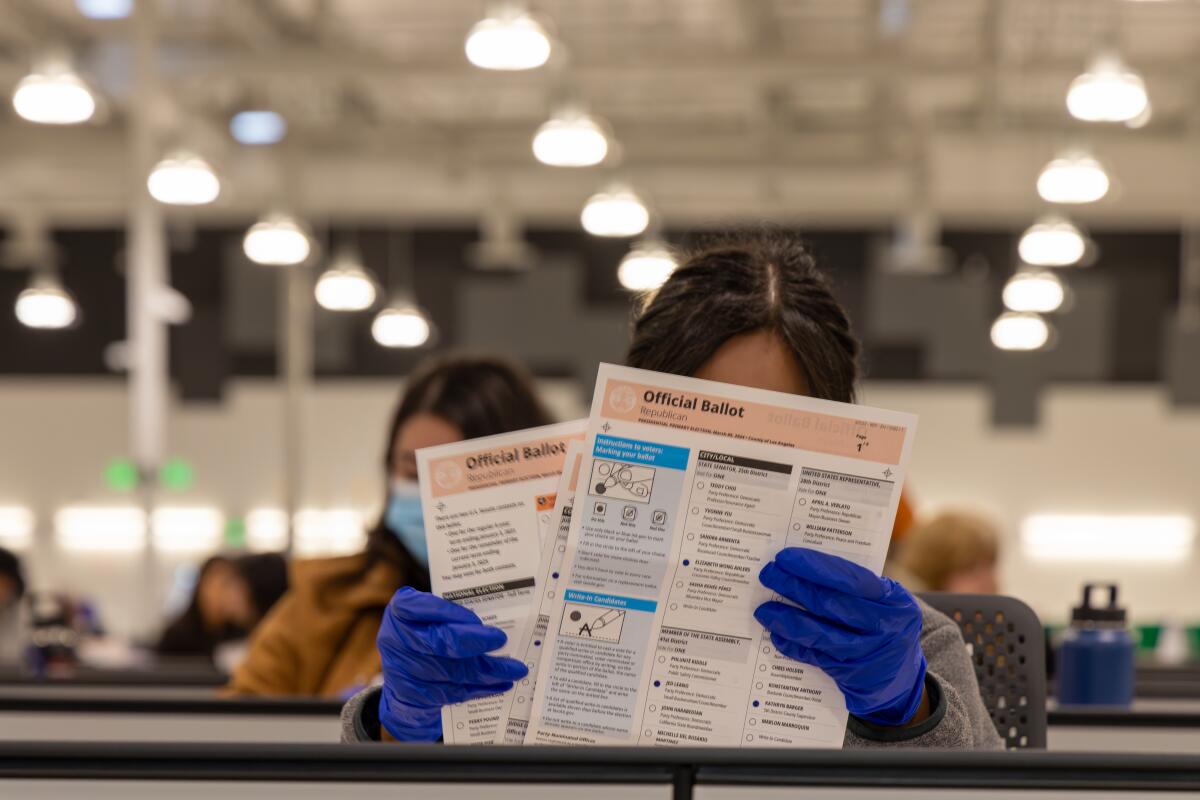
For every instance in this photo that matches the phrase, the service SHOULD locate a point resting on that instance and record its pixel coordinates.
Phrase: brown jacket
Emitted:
(319, 639)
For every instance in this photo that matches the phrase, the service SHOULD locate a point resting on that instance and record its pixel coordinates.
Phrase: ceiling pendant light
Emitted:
(570, 138)
(346, 285)
(277, 240)
(183, 178)
(1109, 91)
(402, 324)
(46, 305)
(1040, 292)
(508, 39)
(1052, 242)
(646, 266)
(1020, 331)
(1073, 178)
(616, 211)
(53, 95)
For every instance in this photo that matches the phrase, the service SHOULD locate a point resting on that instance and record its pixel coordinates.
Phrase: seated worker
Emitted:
(319, 640)
(953, 552)
(12, 589)
(754, 312)
(231, 596)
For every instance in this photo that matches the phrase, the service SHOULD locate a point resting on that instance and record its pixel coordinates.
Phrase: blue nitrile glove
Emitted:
(863, 630)
(433, 655)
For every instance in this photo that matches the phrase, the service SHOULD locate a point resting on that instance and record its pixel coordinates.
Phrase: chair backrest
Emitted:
(1005, 641)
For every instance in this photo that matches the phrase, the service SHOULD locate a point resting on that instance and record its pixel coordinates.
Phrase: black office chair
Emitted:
(1005, 642)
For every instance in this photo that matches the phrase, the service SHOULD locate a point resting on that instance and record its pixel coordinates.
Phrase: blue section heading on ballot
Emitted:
(633, 451)
(609, 600)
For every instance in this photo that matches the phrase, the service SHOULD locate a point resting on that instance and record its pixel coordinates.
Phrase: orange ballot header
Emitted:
(707, 412)
(508, 459)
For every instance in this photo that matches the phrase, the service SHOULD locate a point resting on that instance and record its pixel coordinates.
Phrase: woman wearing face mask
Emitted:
(755, 312)
(319, 640)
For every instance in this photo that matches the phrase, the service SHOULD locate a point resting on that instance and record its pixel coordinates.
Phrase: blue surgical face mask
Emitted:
(404, 519)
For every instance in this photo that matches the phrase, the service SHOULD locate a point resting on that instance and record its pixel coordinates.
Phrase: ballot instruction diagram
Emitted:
(592, 622)
(622, 481)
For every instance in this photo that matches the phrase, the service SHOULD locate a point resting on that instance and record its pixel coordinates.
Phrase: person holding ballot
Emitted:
(319, 639)
(758, 313)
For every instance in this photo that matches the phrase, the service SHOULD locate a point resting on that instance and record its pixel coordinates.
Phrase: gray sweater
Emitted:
(958, 719)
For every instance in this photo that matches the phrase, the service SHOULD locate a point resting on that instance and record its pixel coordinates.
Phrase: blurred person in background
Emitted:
(12, 590)
(954, 551)
(231, 596)
(320, 639)
(751, 311)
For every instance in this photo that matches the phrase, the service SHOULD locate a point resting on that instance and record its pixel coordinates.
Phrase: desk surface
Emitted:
(682, 768)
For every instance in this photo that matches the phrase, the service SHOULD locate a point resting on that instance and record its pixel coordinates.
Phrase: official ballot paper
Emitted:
(515, 714)
(686, 489)
(481, 499)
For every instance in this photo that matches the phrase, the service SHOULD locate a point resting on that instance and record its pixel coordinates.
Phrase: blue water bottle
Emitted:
(1095, 659)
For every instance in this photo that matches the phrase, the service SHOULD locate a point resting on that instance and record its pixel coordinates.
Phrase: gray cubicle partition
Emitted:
(133, 771)
(101, 715)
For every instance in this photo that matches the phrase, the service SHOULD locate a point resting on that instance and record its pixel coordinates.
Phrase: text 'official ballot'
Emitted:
(685, 489)
(482, 501)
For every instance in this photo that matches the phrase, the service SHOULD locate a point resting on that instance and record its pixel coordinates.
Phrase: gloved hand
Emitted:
(863, 630)
(433, 655)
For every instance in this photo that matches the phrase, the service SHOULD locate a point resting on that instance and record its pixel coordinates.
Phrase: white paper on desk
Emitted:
(687, 488)
(481, 499)
(515, 713)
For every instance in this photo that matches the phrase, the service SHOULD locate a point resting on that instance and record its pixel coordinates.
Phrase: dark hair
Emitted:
(187, 634)
(479, 395)
(10, 565)
(741, 283)
(267, 576)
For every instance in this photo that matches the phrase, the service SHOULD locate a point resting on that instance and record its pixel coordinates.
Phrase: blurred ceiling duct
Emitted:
(916, 248)
(501, 246)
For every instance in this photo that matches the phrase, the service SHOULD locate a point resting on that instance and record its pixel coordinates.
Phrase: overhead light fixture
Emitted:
(617, 211)
(105, 9)
(53, 95)
(258, 127)
(1073, 178)
(646, 266)
(1038, 292)
(1020, 331)
(117, 529)
(1099, 537)
(346, 285)
(183, 178)
(186, 530)
(277, 240)
(570, 138)
(1052, 242)
(329, 531)
(508, 39)
(401, 325)
(266, 530)
(16, 528)
(46, 304)
(1109, 91)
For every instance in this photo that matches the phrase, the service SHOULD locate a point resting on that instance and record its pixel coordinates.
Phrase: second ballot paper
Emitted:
(481, 500)
(686, 489)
